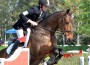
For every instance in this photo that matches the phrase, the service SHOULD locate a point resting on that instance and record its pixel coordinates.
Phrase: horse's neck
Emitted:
(50, 22)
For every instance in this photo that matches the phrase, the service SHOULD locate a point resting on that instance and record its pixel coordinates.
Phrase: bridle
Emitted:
(62, 20)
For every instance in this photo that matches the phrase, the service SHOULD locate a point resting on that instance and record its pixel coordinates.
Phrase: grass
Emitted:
(2, 47)
(75, 60)
(68, 48)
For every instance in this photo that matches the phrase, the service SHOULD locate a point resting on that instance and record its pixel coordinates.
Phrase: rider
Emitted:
(28, 18)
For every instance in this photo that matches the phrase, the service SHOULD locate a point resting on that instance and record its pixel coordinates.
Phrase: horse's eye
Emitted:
(67, 22)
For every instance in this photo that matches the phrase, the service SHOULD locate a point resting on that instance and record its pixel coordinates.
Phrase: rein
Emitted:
(44, 27)
(52, 30)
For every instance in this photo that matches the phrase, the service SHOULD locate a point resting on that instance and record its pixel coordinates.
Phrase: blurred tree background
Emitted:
(10, 9)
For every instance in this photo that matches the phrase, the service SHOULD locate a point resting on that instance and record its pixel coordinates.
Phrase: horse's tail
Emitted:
(3, 53)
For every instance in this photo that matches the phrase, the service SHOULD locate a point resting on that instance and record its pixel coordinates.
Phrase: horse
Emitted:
(43, 42)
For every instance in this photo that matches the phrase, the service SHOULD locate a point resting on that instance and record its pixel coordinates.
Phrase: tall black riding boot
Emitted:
(15, 46)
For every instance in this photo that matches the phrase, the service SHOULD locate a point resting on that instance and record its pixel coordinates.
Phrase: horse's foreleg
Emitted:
(57, 54)
(36, 61)
(51, 60)
(60, 54)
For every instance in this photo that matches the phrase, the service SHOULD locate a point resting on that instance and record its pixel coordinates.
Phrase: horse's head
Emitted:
(66, 24)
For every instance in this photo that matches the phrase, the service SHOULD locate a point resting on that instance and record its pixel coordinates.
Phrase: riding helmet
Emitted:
(44, 2)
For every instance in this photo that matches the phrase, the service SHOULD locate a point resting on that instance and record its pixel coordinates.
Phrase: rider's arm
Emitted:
(24, 17)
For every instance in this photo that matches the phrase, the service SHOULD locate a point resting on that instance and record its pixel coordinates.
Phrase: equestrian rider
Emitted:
(29, 18)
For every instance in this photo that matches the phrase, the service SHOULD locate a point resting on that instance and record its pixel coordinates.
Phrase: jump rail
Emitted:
(19, 57)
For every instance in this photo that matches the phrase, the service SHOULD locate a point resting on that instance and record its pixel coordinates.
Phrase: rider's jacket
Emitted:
(33, 13)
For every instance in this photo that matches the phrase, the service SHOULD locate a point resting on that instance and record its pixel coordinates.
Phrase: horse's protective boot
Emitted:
(57, 51)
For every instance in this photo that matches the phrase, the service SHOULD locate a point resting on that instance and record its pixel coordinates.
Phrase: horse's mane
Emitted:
(51, 15)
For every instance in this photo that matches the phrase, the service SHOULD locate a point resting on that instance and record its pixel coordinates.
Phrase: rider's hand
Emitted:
(32, 22)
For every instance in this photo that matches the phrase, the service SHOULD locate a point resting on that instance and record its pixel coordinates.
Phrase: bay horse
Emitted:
(43, 43)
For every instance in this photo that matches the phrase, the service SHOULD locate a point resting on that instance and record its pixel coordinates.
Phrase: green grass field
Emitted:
(75, 60)
(2, 47)
(68, 48)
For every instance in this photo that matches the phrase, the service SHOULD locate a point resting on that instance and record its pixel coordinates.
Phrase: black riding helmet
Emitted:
(44, 2)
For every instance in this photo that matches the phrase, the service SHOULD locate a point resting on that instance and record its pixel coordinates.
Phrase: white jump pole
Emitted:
(88, 60)
(1, 61)
(89, 55)
(81, 60)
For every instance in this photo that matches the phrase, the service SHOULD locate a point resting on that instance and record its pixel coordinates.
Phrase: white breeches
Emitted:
(20, 33)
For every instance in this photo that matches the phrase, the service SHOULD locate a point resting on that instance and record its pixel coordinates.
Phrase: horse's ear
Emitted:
(67, 11)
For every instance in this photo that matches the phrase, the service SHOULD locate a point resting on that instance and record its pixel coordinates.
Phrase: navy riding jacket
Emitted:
(33, 13)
